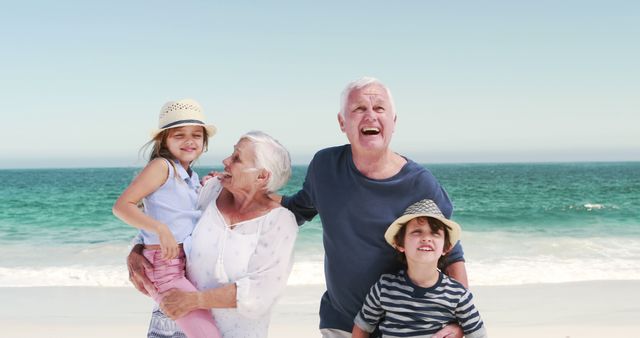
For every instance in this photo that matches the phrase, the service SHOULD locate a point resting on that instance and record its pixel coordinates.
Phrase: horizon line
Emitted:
(306, 164)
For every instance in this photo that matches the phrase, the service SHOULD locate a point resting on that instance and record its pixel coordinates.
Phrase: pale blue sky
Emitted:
(81, 83)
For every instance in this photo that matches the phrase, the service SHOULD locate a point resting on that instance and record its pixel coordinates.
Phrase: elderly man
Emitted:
(359, 189)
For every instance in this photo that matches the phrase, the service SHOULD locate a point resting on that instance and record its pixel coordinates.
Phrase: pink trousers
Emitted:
(169, 274)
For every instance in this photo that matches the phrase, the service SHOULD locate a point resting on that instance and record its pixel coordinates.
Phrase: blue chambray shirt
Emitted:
(174, 204)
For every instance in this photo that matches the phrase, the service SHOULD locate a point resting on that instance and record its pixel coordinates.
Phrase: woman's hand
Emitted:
(168, 244)
(136, 263)
(449, 331)
(176, 303)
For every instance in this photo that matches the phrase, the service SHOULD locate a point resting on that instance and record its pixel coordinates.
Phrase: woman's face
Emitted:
(240, 172)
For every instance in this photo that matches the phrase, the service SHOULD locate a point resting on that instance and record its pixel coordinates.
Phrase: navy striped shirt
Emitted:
(404, 309)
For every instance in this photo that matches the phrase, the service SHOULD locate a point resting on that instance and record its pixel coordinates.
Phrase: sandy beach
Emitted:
(582, 309)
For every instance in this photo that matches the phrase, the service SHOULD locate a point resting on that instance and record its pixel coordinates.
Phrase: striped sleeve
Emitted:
(371, 312)
(469, 317)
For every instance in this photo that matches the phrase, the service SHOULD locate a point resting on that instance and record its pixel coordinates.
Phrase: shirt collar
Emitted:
(181, 171)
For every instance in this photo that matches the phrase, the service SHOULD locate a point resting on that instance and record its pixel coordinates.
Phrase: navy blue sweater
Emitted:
(355, 212)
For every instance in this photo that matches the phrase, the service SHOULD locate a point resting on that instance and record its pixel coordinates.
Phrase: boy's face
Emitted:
(421, 244)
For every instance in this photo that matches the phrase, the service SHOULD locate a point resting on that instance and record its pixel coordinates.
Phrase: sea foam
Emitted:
(492, 258)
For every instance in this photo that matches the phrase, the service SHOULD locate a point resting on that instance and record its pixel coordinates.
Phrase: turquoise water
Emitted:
(581, 199)
(60, 219)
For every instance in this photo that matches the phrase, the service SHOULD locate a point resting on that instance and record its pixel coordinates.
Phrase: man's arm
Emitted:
(301, 204)
(453, 265)
(458, 271)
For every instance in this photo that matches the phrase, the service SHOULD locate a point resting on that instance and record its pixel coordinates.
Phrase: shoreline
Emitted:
(575, 309)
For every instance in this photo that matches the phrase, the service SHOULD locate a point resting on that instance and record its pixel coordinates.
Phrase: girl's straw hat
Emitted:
(427, 208)
(185, 112)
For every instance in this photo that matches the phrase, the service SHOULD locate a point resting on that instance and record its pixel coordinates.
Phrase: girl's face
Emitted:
(185, 143)
(421, 244)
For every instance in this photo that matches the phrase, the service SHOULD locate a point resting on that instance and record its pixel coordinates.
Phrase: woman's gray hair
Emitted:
(271, 156)
(359, 84)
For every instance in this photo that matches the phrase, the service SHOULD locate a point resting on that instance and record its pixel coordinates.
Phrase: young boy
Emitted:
(420, 301)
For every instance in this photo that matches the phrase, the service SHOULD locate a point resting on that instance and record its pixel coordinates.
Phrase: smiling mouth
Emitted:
(370, 131)
(426, 249)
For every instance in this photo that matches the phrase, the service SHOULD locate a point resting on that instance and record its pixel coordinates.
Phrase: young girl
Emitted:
(169, 190)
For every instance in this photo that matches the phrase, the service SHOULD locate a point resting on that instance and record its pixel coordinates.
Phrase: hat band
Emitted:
(181, 122)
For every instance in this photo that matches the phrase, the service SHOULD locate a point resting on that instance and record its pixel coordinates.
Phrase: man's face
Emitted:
(369, 120)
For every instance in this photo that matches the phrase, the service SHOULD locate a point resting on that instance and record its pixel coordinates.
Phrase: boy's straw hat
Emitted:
(427, 208)
(185, 112)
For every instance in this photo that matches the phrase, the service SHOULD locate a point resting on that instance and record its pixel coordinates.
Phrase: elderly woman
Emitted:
(240, 253)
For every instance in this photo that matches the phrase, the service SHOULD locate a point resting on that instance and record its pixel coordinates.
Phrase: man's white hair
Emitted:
(359, 84)
(271, 156)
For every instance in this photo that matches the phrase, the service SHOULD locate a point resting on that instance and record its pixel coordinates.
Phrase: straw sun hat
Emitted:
(185, 112)
(427, 208)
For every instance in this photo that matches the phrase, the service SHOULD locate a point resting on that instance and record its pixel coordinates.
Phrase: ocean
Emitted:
(522, 223)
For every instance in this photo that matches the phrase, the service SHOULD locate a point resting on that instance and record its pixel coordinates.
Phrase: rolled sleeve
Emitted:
(269, 266)
(372, 311)
(363, 324)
